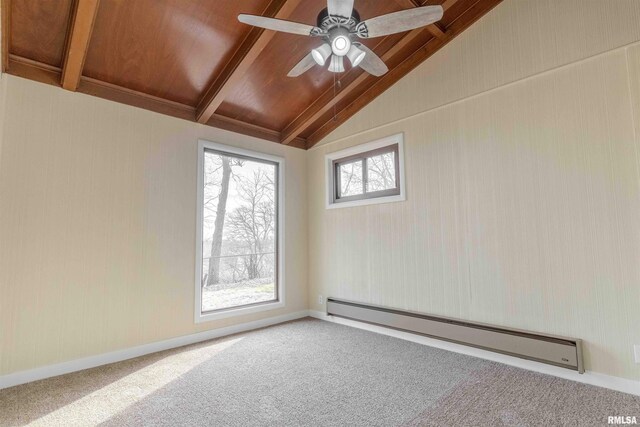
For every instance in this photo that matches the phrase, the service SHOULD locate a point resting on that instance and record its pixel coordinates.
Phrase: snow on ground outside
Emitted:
(248, 292)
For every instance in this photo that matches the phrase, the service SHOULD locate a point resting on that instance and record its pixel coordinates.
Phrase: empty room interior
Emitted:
(320, 213)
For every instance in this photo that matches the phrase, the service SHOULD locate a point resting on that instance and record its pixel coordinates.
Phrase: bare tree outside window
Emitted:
(252, 224)
(351, 179)
(239, 232)
(381, 172)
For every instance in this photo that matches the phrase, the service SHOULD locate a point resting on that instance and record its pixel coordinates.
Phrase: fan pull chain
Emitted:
(334, 97)
(336, 86)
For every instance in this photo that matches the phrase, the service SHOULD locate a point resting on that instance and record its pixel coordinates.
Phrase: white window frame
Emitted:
(238, 311)
(330, 158)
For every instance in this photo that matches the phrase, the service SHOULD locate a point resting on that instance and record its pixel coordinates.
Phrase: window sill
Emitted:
(235, 312)
(364, 202)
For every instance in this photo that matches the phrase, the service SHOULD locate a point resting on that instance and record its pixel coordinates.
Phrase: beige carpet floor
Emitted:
(310, 373)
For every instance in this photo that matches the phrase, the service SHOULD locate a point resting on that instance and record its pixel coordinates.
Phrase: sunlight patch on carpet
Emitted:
(112, 399)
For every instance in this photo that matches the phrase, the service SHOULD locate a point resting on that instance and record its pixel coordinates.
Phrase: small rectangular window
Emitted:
(366, 174)
(239, 244)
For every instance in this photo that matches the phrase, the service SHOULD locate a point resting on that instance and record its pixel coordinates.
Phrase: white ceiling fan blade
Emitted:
(342, 8)
(303, 66)
(280, 25)
(372, 63)
(399, 22)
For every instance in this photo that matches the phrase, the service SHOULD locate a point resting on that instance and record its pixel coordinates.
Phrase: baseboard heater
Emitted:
(553, 350)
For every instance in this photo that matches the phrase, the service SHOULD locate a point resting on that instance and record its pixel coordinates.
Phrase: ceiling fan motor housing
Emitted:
(326, 21)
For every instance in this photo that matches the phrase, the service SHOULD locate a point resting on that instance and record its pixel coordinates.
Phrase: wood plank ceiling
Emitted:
(194, 60)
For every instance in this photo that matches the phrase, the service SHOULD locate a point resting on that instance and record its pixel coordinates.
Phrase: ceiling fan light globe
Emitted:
(355, 55)
(317, 57)
(341, 45)
(321, 54)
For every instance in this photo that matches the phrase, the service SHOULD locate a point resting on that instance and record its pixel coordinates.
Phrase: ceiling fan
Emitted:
(339, 26)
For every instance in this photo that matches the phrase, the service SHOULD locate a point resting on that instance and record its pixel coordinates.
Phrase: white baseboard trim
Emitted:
(41, 373)
(593, 378)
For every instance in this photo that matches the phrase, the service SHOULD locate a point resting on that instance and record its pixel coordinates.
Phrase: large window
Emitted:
(239, 259)
(366, 174)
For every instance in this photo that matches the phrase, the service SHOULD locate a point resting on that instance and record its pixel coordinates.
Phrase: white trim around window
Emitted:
(232, 312)
(331, 158)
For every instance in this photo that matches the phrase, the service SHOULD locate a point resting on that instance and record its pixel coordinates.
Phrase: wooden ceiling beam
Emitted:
(409, 3)
(327, 100)
(233, 125)
(478, 10)
(78, 39)
(255, 42)
(436, 30)
(5, 15)
(33, 70)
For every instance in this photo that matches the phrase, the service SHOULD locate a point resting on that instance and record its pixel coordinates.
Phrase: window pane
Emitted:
(381, 172)
(239, 232)
(350, 179)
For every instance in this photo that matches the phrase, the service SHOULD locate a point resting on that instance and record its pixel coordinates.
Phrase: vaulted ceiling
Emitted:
(192, 58)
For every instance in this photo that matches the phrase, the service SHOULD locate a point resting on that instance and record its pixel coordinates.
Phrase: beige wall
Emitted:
(523, 182)
(97, 226)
